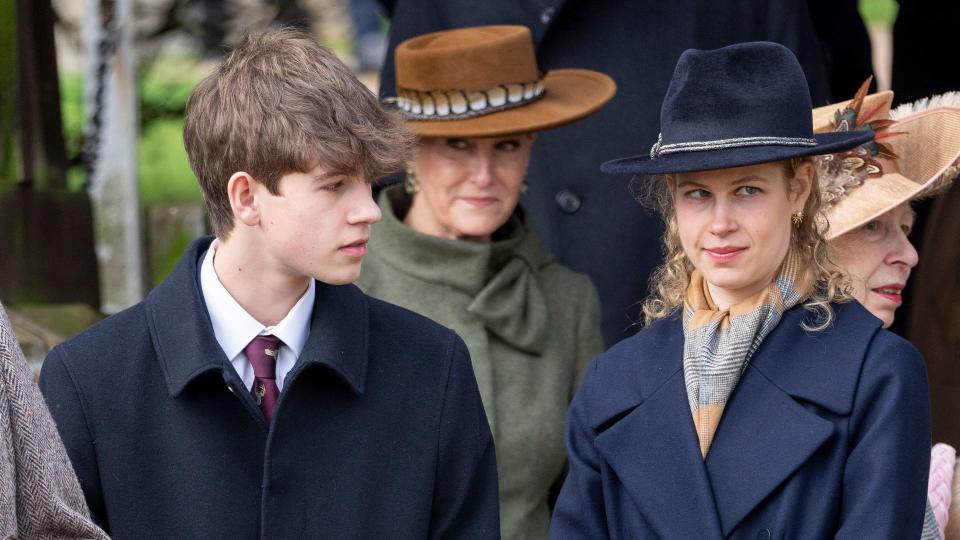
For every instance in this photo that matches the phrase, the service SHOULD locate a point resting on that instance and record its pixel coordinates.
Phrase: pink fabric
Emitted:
(943, 459)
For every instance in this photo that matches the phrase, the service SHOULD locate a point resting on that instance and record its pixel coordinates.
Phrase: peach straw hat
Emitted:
(484, 82)
(923, 139)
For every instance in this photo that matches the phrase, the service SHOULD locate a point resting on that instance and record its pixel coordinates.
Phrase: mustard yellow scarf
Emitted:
(718, 343)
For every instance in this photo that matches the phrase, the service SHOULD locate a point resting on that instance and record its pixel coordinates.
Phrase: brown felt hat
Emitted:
(484, 82)
(927, 143)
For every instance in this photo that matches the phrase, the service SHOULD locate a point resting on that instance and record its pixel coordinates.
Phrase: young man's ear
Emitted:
(241, 189)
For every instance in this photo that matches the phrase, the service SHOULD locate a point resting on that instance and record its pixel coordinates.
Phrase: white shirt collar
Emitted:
(234, 328)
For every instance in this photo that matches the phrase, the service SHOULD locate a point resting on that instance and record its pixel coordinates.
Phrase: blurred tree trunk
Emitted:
(46, 237)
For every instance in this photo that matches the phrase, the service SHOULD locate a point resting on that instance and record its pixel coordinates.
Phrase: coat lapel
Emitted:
(763, 437)
(339, 336)
(655, 453)
(187, 347)
(180, 326)
(648, 438)
(765, 433)
(654, 448)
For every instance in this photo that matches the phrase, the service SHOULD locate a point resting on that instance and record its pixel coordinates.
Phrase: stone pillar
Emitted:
(110, 97)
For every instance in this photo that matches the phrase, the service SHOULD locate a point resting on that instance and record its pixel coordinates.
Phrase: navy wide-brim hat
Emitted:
(739, 105)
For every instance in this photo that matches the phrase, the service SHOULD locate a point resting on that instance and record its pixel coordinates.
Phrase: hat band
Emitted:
(461, 104)
(659, 149)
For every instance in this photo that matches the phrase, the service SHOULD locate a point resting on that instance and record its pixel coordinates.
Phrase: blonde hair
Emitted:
(668, 283)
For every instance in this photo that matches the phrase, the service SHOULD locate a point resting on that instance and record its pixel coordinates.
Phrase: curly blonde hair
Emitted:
(668, 283)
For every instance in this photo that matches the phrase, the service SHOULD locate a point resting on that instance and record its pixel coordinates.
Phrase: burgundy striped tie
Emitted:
(262, 353)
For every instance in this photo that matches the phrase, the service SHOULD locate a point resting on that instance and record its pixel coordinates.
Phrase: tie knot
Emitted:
(262, 353)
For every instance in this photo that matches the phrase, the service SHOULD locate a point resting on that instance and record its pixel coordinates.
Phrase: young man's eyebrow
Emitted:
(319, 177)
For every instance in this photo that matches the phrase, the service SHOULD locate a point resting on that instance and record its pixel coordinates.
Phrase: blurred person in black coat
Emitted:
(592, 223)
(924, 64)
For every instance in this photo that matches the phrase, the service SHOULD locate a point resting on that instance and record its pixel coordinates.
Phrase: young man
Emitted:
(255, 392)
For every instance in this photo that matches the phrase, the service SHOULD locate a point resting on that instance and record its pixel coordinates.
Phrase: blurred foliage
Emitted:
(8, 88)
(879, 11)
(162, 264)
(164, 173)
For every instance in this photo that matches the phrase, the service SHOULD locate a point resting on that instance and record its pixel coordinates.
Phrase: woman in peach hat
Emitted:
(868, 193)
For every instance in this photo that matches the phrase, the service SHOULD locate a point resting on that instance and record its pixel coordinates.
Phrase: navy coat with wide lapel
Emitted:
(826, 435)
(590, 221)
(379, 431)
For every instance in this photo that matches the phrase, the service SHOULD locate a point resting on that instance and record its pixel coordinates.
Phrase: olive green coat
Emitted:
(531, 326)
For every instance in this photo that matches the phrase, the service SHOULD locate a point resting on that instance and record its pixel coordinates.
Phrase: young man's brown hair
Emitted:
(280, 103)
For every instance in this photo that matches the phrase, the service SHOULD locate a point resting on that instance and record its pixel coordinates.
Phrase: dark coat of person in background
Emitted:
(591, 223)
(39, 493)
(934, 317)
(924, 64)
(146, 399)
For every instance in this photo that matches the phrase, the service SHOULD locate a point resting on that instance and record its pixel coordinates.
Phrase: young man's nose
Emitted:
(365, 209)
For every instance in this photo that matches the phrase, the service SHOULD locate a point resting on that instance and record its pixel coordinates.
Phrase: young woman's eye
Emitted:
(748, 191)
(697, 194)
(507, 145)
(907, 229)
(457, 144)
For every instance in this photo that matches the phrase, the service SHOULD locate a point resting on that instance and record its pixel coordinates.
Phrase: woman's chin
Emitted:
(478, 228)
(881, 308)
(886, 316)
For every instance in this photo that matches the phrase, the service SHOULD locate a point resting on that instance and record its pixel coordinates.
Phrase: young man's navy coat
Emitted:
(379, 431)
(827, 435)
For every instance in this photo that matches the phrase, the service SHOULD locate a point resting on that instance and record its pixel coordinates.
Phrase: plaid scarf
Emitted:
(718, 344)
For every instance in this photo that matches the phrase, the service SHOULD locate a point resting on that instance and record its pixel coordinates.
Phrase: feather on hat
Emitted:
(920, 142)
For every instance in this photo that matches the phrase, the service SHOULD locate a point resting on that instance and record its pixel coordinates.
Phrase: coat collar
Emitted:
(501, 276)
(647, 436)
(187, 347)
(462, 265)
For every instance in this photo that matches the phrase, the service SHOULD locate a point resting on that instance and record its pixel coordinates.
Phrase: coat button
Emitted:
(568, 201)
(764, 534)
(547, 14)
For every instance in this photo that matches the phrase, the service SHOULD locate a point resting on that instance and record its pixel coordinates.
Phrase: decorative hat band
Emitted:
(660, 149)
(461, 104)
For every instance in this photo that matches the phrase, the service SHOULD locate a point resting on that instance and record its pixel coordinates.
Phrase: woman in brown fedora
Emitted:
(454, 245)
(868, 193)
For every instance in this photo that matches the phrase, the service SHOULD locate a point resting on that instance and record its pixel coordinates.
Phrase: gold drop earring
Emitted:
(410, 183)
(797, 218)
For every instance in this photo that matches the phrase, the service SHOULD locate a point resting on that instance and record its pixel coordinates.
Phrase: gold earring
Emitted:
(410, 183)
(797, 218)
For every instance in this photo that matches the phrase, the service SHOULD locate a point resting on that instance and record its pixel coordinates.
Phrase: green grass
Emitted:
(164, 173)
